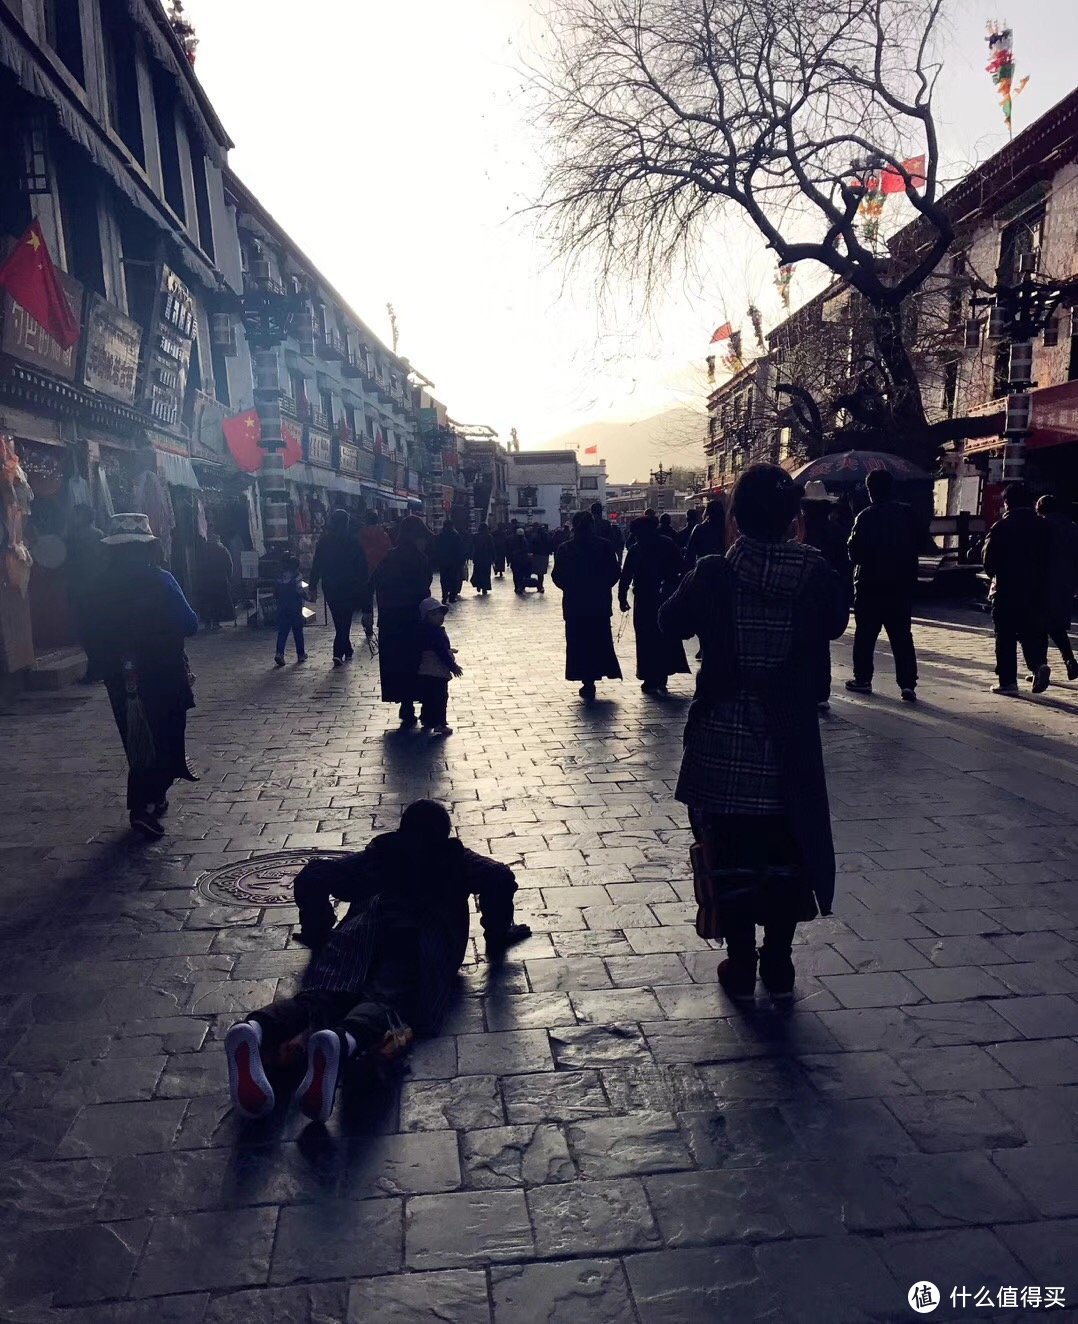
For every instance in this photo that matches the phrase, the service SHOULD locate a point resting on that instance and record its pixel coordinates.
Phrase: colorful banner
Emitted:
(1001, 68)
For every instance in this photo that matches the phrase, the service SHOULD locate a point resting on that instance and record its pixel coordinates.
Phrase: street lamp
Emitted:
(660, 476)
(268, 313)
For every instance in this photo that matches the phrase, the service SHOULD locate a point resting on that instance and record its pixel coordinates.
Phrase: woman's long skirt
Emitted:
(658, 655)
(589, 649)
(481, 575)
(398, 653)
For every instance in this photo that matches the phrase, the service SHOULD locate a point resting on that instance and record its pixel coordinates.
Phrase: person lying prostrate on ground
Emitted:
(386, 971)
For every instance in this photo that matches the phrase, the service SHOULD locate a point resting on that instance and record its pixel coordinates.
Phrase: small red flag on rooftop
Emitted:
(28, 275)
(722, 333)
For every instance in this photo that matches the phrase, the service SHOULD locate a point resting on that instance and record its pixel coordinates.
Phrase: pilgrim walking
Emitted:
(652, 570)
(341, 568)
(143, 620)
(883, 552)
(752, 773)
(482, 559)
(586, 568)
(402, 582)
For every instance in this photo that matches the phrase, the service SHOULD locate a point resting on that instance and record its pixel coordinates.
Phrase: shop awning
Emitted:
(177, 470)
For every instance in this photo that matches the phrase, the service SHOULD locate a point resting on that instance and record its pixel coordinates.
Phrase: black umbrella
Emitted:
(848, 468)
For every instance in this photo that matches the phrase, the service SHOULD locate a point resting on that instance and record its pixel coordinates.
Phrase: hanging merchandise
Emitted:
(783, 278)
(732, 360)
(153, 500)
(254, 522)
(201, 523)
(1001, 68)
(757, 326)
(78, 492)
(44, 469)
(16, 497)
(106, 506)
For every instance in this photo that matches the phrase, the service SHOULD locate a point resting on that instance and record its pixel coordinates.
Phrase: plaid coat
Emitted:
(764, 615)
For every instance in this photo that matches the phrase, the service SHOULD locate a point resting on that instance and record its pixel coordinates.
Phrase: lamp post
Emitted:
(1017, 313)
(268, 313)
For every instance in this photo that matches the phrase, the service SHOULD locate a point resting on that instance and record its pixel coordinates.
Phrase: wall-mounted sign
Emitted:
(168, 349)
(25, 338)
(349, 458)
(319, 448)
(113, 342)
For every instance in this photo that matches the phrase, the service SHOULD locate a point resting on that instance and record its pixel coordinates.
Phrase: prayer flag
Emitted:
(723, 332)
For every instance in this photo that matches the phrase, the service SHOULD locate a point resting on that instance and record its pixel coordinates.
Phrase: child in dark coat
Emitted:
(437, 663)
(290, 598)
(386, 970)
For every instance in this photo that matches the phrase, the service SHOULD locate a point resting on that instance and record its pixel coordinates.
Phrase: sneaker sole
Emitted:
(318, 1089)
(250, 1090)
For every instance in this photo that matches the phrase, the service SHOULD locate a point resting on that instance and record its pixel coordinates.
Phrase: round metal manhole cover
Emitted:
(264, 880)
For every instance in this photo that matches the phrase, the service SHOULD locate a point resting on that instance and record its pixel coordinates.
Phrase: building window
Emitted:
(121, 78)
(164, 100)
(63, 33)
(955, 289)
(296, 387)
(589, 484)
(199, 166)
(949, 394)
(527, 498)
(327, 405)
(368, 423)
(78, 187)
(350, 419)
(1072, 367)
(1051, 331)
(220, 375)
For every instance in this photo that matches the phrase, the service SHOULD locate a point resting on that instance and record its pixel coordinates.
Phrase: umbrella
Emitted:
(853, 467)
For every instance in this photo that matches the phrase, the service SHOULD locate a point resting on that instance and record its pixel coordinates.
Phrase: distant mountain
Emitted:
(633, 450)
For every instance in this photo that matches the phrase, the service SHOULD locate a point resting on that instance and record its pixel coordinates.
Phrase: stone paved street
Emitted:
(598, 1134)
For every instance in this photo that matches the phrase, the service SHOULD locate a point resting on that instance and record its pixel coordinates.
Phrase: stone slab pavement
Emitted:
(598, 1132)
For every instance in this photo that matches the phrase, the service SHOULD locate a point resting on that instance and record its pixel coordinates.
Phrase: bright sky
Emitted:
(393, 142)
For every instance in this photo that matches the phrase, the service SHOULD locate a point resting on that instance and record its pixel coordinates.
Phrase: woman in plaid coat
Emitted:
(752, 773)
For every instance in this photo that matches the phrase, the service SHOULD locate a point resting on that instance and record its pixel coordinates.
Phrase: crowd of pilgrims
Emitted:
(762, 587)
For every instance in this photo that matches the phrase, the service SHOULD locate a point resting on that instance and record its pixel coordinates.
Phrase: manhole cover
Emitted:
(265, 880)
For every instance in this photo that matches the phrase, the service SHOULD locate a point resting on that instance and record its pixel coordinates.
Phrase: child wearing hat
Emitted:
(437, 663)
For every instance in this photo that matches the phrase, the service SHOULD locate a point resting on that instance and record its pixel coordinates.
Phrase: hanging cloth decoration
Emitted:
(757, 326)
(1000, 68)
(732, 360)
(783, 277)
(876, 183)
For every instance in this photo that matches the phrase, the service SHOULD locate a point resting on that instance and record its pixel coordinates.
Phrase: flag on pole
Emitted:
(293, 450)
(1001, 68)
(28, 275)
(892, 180)
(722, 333)
(243, 433)
(591, 450)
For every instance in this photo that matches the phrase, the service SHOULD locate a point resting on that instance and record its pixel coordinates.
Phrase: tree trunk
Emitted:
(911, 434)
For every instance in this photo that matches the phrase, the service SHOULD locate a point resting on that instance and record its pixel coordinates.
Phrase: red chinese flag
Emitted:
(893, 182)
(591, 450)
(723, 332)
(28, 275)
(243, 434)
(293, 450)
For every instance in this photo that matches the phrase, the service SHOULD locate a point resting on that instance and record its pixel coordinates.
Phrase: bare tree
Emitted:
(658, 112)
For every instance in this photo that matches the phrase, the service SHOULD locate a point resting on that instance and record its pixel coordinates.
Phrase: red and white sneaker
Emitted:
(318, 1088)
(248, 1085)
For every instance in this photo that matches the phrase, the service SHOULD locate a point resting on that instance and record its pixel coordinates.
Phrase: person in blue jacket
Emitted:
(142, 621)
(290, 594)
